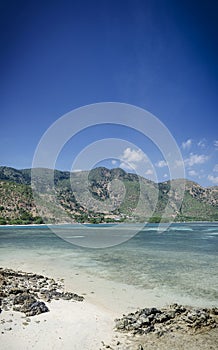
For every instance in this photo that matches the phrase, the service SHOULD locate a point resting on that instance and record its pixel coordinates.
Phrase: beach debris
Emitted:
(27, 292)
(169, 319)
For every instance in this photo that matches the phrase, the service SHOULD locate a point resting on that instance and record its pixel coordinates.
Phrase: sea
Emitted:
(182, 259)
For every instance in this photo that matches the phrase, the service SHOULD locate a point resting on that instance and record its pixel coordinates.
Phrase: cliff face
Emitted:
(102, 195)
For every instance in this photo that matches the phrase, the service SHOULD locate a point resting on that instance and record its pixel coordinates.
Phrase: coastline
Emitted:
(115, 297)
(89, 325)
(105, 223)
(72, 325)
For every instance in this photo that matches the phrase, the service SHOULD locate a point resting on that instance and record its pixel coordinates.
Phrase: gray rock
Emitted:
(20, 290)
(24, 299)
(37, 308)
(174, 317)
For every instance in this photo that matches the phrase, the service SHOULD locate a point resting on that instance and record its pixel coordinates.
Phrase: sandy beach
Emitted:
(89, 324)
(68, 325)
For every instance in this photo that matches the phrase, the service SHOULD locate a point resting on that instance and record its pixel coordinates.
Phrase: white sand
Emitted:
(68, 325)
(76, 325)
(72, 325)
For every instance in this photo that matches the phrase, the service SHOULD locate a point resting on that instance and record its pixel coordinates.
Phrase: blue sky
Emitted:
(159, 55)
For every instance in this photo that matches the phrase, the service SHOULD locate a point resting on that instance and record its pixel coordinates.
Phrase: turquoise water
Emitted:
(183, 259)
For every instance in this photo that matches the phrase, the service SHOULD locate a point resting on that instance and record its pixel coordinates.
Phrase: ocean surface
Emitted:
(182, 260)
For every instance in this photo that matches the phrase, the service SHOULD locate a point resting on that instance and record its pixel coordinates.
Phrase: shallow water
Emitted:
(182, 260)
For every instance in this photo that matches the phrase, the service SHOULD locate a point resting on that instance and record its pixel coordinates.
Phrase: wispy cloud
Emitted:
(216, 144)
(195, 159)
(187, 144)
(215, 169)
(202, 143)
(213, 179)
(149, 172)
(192, 173)
(161, 164)
(114, 162)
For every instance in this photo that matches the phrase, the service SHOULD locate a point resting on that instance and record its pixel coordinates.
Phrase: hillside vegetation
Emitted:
(101, 195)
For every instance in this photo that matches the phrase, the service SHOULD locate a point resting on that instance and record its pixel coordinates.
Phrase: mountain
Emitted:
(101, 195)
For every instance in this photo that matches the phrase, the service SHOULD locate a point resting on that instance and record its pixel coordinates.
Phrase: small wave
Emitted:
(150, 229)
(182, 228)
(77, 237)
(212, 233)
(70, 237)
(211, 229)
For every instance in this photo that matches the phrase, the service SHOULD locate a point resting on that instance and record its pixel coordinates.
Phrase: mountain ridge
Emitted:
(27, 171)
(82, 196)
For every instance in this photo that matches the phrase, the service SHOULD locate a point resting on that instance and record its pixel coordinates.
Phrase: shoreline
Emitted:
(109, 224)
(116, 297)
(65, 320)
(73, 325)
(90, 325)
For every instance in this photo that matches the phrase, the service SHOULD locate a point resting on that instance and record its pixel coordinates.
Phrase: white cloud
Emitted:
(195, 159)
(161, 164)
(149, 172)
(165, 176)
(215, 169)
(213, 179)
(216, 143)
(202, 143)
(131, 155)
(187, 144)
(114, 162)
(131, 158)
(192, 173)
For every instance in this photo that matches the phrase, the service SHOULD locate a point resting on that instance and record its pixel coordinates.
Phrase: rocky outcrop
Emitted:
(28, 304)
(28, 292)
(169, 319)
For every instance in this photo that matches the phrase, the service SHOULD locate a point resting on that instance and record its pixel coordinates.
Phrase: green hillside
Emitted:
(101, 195)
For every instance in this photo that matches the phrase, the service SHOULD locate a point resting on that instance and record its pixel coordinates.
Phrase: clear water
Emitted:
(183, 259)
